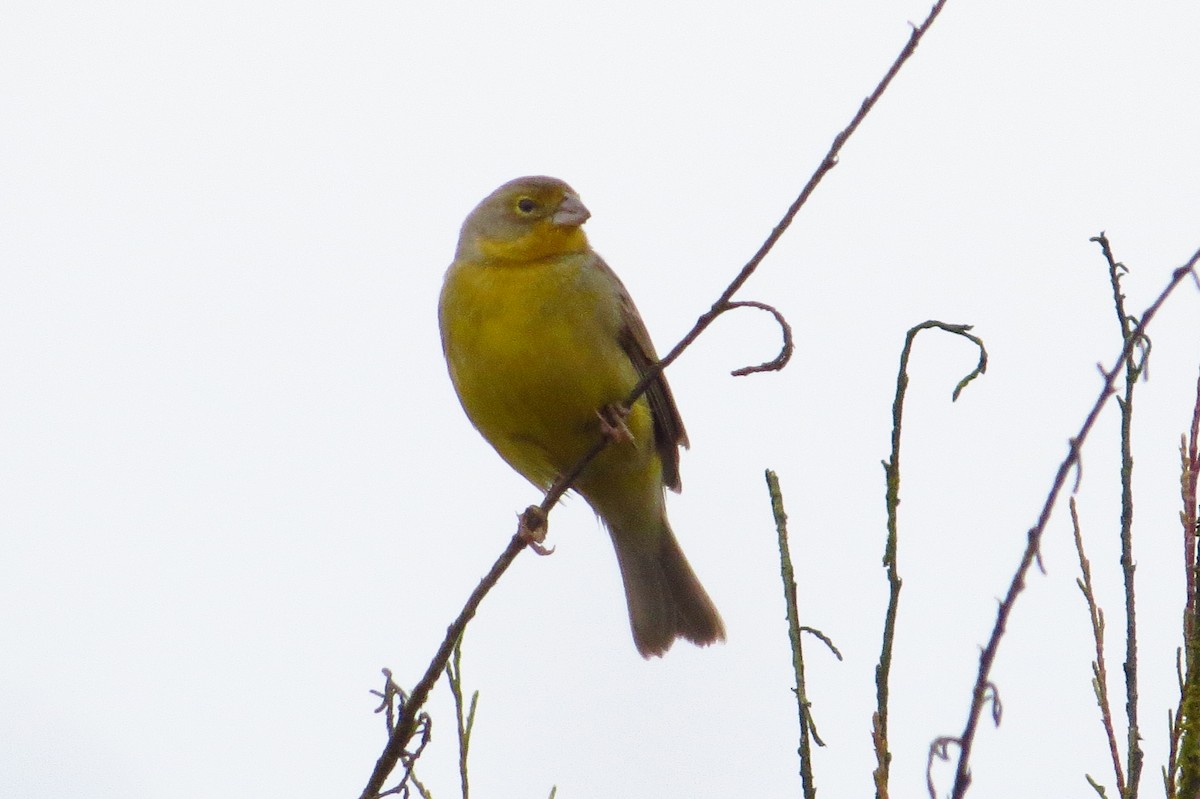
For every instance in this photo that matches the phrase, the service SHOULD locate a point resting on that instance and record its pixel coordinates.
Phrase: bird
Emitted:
(543, 345)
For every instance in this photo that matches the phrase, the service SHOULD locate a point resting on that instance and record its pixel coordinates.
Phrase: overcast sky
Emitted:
(235, 482)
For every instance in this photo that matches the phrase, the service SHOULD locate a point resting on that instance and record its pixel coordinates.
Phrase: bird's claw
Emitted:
(533, 528)
(612, 423)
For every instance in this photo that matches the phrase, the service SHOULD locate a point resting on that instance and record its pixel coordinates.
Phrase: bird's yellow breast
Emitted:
(534, 352)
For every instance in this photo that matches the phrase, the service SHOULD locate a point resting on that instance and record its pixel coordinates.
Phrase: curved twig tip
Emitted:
(958, 330)
(992, 694)
(823, 638)
(785, 353)
(939, 748)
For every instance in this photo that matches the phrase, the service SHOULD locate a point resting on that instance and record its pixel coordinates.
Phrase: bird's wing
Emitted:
(634, 339)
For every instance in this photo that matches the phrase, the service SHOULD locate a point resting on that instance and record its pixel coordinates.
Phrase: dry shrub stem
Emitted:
(962, 776)
(1189, 453)
(891, 468)
(1182, 775)
(1099, 672)
(1134, 369)
(399, 739)
(786, 572)
(392, 700)
(400, 736)
(463, 715)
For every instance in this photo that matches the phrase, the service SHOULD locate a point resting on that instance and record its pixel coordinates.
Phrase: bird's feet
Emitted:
(533, 528)
(612, 424)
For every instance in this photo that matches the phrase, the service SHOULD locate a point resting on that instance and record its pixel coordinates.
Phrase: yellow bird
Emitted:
(542, 341)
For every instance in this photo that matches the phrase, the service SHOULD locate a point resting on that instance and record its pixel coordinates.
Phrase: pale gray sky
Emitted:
(235, 481)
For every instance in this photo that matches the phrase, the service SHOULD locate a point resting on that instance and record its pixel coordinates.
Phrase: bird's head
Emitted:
(525, 220)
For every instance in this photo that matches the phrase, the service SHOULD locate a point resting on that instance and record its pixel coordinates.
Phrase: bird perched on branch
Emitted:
(543, 345)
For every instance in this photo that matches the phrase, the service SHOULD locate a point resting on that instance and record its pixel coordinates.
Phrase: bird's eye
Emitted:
(526, 205)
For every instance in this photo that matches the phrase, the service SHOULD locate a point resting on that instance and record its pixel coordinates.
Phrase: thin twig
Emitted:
(827, 163)
(463, 716)
(939, 749)
(1189, 452)
(793, 617)
(1184, 758)
(388, 698)
(785, 352)
(1134, 368)
(891, 468)
(1175, 735)
(398, 740)
(823, 638)
(1099, 672)
(962, 776)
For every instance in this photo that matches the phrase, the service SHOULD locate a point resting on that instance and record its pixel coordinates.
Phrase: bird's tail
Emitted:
(666, 600)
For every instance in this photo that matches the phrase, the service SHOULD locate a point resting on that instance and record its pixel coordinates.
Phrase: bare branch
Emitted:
(807, 727)
(1135, 368)
(962, 778)
(891, 468)
(1099, 672)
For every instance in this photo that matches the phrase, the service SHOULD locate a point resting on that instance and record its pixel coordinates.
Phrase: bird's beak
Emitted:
(571, 212)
